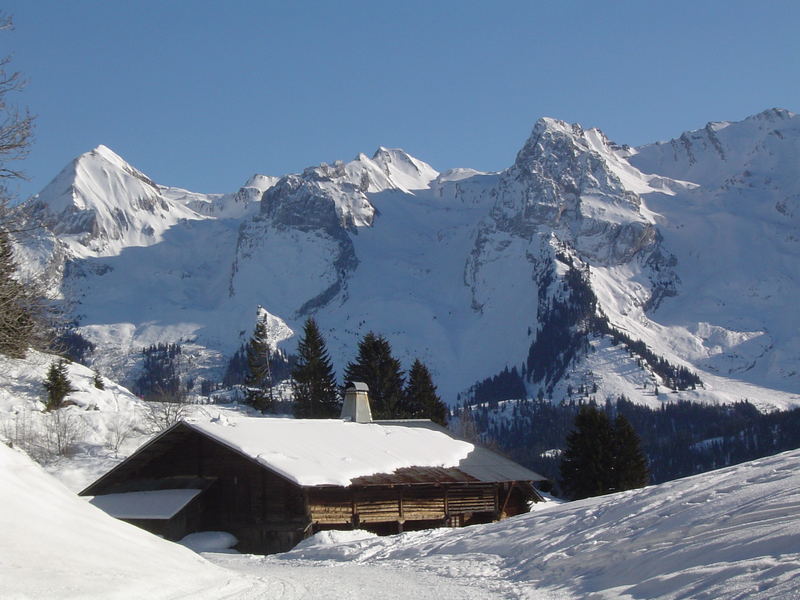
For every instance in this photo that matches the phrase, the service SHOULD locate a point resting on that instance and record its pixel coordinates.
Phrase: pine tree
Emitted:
(600, 457)
(630, 463)
(313, 380)
(236, 371)
(259, 378)
(57, 385)
(160, 379)
(376, 367)
(421, 399)
(587, 462)
(17, 321)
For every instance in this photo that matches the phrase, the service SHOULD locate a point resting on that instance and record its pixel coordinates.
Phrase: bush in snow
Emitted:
(44, 436)
(163, 412)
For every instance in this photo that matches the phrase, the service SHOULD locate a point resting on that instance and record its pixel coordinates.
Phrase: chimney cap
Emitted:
(358, 386)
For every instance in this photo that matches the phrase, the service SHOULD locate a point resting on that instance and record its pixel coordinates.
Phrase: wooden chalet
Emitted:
(272, 482)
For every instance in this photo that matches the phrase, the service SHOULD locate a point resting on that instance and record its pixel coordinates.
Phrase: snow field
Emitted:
(730, 533)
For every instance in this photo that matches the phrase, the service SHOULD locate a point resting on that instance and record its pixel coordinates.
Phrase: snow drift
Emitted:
(56, 545)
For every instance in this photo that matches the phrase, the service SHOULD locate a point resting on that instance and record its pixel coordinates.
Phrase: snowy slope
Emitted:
(56, 545)
(730, 533)
(736, 239)
(690, 246)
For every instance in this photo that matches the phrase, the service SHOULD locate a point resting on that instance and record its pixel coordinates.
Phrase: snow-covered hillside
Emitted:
(690, 246)
(730, 533)
(56, 545)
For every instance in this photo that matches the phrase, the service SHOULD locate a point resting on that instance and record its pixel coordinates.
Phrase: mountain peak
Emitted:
(105, 204)
(385, 155)
(560, 139)
(103, 152)
(773, 114)
(722, 152)
(549, 124)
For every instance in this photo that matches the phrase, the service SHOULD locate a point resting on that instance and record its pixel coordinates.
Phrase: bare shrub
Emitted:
(120, 430)
(165, 410)
(63, 429)
(20, 431)
(44, 436)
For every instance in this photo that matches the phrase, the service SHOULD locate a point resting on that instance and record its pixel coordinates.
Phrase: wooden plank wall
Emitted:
(265, 512)
(382, 504)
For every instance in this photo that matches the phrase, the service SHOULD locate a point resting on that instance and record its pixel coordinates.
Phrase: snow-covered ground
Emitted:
(731, 533)
(56, 545)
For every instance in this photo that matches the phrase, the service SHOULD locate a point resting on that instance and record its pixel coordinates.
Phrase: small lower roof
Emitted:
(154, 504)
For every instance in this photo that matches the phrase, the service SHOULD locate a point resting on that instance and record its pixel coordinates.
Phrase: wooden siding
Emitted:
(376, 504)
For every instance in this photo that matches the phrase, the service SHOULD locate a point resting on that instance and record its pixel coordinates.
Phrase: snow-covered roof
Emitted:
(313, 452)
(154, 504)
(320, 452)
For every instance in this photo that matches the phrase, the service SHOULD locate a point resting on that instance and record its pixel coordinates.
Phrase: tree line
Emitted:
(566, 323)
(678, 439)
(315, 391)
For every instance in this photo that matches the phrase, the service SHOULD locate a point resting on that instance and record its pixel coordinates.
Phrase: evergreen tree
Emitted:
(57, 384)
(630, 463)
(236, 371)
(259, 377)
(17, 321)
(600, 457)
(421, 399)
(313, 380)
(376, 367)
(160, 375)
(587, 462)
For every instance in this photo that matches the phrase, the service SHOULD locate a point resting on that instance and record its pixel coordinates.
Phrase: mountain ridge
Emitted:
(460, 268)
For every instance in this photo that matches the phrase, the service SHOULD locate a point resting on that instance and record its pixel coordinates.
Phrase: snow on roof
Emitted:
(154, 504)
(334, 452)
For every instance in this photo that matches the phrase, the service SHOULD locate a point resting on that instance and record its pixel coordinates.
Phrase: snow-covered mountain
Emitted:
(689, 246)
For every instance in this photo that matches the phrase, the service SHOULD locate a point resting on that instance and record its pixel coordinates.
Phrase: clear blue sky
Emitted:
(203, 94)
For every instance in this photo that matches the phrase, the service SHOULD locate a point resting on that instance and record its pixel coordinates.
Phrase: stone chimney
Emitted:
(356, 403)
